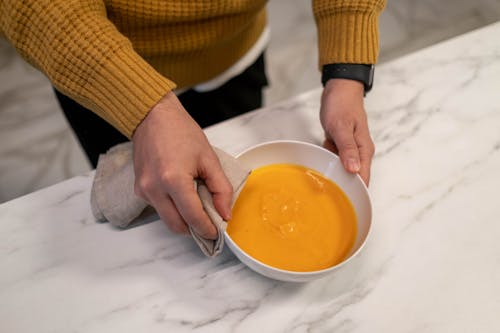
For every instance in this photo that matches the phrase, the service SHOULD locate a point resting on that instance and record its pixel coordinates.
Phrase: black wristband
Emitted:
(359, 72)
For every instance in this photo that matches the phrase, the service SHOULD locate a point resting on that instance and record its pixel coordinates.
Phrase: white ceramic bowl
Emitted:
(319, 159)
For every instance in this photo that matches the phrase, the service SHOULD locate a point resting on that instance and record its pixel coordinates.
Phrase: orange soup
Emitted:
(293, 218)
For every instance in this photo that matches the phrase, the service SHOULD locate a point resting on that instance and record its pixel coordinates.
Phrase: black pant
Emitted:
(241, 94)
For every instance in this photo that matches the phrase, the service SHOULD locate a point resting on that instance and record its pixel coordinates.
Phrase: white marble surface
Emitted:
(432, 263)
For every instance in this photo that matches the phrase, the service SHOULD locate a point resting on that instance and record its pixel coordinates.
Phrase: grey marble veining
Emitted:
(431, 263)
(410, 25)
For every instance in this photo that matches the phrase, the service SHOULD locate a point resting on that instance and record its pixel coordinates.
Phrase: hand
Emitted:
(344, 120)
(170, 151)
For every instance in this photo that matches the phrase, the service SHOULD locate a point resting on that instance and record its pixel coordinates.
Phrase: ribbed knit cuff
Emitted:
(348, 37)
(125, 88)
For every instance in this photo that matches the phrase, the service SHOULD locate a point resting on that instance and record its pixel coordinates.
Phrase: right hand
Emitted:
(170, 152)
(345, 123)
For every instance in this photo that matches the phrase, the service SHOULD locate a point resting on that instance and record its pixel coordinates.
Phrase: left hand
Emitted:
(344, 120)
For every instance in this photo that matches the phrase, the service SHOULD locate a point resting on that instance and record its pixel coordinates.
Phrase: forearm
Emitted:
(85, 57)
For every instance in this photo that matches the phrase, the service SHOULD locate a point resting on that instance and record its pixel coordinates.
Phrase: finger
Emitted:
(330, 145)
(168, 213)
(366, 152)
(343, 136)
(220, 187)
(188, 204)
(364, 171)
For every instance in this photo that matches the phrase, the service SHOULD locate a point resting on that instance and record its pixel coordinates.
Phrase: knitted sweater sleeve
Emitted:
(85, 57)
(347, 30)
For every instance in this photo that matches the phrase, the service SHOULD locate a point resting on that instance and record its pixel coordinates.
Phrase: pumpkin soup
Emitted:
(293, 218)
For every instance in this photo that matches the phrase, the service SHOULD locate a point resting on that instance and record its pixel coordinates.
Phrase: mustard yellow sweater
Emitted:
(119, 57)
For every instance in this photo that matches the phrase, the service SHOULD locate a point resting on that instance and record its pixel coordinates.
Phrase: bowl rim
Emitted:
(316, 272)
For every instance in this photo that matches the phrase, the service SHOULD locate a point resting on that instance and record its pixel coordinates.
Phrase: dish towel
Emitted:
(113, 199)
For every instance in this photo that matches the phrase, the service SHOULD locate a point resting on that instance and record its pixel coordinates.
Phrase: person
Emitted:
(145, 69)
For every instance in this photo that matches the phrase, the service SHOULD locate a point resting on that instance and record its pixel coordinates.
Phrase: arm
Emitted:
(85, 57)
(347, 33)
(88, 59)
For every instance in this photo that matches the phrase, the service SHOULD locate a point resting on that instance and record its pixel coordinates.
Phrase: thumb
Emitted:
(220, 187)
(347, 147)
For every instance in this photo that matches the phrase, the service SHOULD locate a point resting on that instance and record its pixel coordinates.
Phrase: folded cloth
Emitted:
(113, 199)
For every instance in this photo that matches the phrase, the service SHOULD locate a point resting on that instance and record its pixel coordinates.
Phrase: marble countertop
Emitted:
(432, 263)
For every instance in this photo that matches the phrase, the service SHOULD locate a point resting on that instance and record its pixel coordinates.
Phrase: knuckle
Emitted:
(168, 178)
(226, 188)
(143, 185)
(208, 157)
(343, 122)
(371, 149)
(349, 146)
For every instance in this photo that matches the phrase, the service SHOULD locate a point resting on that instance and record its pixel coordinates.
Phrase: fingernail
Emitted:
(353, 165)
(227, 215)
